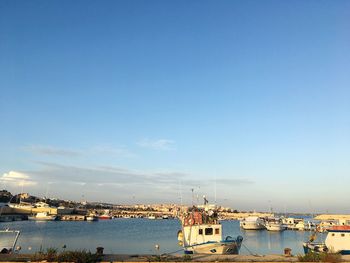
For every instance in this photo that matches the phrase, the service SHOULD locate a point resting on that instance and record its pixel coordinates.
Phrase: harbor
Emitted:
(202, 229)
(140, 235)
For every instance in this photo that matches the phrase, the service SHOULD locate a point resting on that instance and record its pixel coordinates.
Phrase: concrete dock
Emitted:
(177, 258)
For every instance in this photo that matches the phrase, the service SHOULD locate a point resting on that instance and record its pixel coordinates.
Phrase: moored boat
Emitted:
(252, 223)
(91, 218)
(201, 233)
(274, 224)
(8, 241)
(337, 240)
(105, 216)
(43, 216)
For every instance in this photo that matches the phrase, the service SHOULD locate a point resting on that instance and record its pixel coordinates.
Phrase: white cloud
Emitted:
(52, 151)
(159, 144)
(17, 179)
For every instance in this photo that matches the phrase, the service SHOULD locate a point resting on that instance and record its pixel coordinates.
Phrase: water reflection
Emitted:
(137, 236)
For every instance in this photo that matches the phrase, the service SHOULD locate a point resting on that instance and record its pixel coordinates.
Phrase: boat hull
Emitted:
(252, 226)
(217, 248)
(104, 217)
(91, 218)
(320, 248)
(49, 218)
(275, 227)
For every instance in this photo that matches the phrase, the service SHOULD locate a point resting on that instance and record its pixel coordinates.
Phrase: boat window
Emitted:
(217, 231)
(333, 235)
(200, 232)
(343, 235)
(208, 231)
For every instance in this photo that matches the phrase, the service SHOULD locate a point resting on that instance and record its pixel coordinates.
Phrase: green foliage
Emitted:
(81, 256)
(330, 257)
(78, 256)
(155, 258)
(310, 257)
(320, 257)
(50, 255)
(187, 258)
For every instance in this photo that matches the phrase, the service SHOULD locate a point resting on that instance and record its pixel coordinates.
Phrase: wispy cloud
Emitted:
(116, 183)
(51, 150)
(110, 150)
(228, 181)
(17, 179)
(48, 150)
(159, 144)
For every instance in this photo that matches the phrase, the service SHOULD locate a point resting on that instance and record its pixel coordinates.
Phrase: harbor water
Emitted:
(139, 236)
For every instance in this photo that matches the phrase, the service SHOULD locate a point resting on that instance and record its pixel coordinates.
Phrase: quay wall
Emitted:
(332, 217)
(239, 216)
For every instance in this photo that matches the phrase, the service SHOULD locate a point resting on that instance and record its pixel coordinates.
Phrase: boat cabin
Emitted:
(338, 239)
(198, 234)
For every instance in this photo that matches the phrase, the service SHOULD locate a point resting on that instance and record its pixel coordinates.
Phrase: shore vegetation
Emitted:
(77, 256)
(320, 257)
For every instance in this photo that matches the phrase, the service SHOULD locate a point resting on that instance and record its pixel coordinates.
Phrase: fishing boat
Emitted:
(8, 241)
(105, 216)
(337, 240)
(91, 218)
(326, 224)
(274, 224)
(252, 223)
(201, 233)
(43, 216)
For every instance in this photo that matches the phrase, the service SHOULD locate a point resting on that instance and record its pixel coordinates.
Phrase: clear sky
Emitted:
(140, 101)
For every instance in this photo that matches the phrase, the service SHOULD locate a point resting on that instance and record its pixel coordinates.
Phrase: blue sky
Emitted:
(140, 101)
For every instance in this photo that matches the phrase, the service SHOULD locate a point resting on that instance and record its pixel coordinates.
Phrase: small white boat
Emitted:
(337, 240)
(43, 216)
(92, 218)
(293, 223)
(152, 217)
(274, 224)
(8, 241)
(252, 223)
(201, 233)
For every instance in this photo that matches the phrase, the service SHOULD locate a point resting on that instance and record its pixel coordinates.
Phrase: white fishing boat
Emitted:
(337, 240)
(252, 223)
(201, 233)
(274, 224)
(91, 218)
(8, 241)
(43, 216)
(21, 205)
(291, 222)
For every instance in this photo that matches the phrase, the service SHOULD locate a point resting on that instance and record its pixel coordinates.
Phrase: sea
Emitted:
(140, 236)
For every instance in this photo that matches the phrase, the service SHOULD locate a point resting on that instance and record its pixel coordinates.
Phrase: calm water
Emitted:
(138, 236)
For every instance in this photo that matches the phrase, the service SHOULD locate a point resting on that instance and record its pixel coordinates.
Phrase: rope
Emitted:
(251, 253)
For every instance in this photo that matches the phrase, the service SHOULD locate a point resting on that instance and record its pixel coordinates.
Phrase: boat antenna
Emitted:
(192, 189)
(180, 192)
(215, 191)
